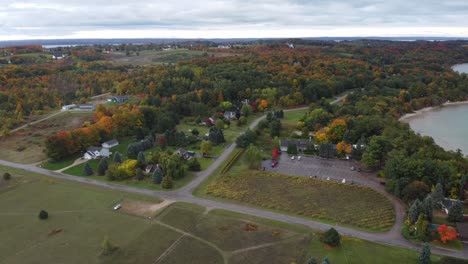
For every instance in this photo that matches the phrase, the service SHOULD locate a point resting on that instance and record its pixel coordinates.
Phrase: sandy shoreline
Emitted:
(405, 117)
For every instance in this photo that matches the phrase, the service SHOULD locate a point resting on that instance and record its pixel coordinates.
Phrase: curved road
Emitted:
(184, 194)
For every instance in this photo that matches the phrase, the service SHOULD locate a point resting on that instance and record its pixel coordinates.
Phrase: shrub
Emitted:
(139, 174)
(43, 215)
(331, 237)
(194, 165)
(107, 247)
(167, 182)
(6, 176)
(87, 170)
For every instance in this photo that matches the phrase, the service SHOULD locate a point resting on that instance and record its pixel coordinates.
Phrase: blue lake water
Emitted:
(447, 125)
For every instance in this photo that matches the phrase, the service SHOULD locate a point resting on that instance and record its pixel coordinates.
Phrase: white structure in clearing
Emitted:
(96, 152)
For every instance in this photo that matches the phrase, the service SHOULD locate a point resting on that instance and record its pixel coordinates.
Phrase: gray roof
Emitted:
(92, 149)
(286, 142)
(112, 142)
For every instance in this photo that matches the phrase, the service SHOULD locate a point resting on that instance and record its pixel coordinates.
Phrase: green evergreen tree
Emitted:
(87, 170)
(102, 167)
(414, 211)
(139, 174)
(158, 175)
(325, 261)
(117, 157)
(437, 196)
(141, 160)
(425, 255)
(292, 148)
(43, 215)
(427, 207)
(167, 182)
(312, 260)
(331, 237)
(455, 213)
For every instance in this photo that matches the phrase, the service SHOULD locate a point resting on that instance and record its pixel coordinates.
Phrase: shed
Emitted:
(110, 144)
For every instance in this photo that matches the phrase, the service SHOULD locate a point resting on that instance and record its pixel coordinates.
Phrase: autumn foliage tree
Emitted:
(446, 233)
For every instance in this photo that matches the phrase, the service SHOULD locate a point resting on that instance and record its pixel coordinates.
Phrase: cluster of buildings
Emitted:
(99, 152)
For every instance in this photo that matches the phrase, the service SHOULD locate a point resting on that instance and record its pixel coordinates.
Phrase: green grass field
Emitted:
(80, 216)
(82, 212)
(291, 118)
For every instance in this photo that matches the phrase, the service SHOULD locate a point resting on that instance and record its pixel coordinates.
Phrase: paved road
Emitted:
(184, 194)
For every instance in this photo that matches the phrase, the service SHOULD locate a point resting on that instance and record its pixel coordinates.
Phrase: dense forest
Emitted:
(387, 80)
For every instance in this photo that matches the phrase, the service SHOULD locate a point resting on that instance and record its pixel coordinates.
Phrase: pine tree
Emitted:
(425, 255)
(455, 213)
(437, 195)
(326, 261)
(331, 237)
(312, 260)
(157, 175)
(414, 211)
(117, 157)
(88, 171)
(427, 207)
(167, 182)
(139, 174)
(141, 160)
(102, 167)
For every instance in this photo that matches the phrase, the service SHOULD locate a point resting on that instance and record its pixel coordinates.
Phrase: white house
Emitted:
(230, 115)
(58, 56)
(110, 144)
(96, 152)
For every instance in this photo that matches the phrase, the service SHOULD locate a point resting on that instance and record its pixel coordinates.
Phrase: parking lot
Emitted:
(326, 169)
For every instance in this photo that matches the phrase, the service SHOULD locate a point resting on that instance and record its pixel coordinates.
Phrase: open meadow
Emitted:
(81, 216)
(26, 145)
(151, 57)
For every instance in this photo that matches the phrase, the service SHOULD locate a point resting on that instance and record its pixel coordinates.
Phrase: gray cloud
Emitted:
(42, 18)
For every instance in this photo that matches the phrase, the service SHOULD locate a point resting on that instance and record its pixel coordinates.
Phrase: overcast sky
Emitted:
(31, 19)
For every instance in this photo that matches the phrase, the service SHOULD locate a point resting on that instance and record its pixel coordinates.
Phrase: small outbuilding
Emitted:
(110, 144)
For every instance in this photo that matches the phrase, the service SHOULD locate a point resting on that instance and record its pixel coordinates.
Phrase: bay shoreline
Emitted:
(419, 112)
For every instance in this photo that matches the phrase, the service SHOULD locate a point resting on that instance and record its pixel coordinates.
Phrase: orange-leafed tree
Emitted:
(342, 147)
(446, 233)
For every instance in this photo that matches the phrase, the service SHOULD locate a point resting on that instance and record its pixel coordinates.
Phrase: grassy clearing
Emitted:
(291, 118)
(152, 57)
(82, 212)
(331, 202)
(51, 165)
(212, 236)
(27, 145)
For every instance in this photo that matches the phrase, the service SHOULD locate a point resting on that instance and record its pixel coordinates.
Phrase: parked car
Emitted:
(293, 157)
(299, 157)
(274, 163)
(117, 207)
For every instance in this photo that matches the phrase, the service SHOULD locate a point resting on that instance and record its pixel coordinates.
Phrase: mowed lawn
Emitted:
(81, 216)
(330, 202)
(81, 213)
(27, 144)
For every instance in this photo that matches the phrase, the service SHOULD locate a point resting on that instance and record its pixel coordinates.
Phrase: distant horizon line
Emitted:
(82, 41)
